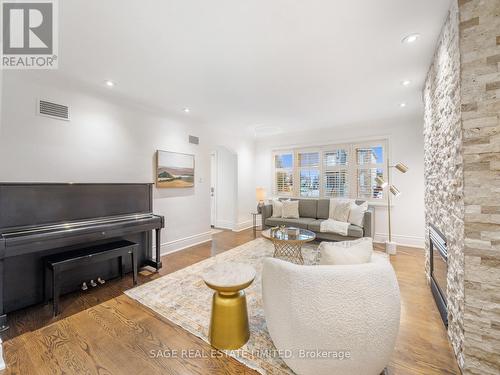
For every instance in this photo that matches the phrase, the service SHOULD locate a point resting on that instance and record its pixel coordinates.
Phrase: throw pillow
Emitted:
(346, 252)
(291, 209)
(339, 209)
(277, 208)
(357, 213)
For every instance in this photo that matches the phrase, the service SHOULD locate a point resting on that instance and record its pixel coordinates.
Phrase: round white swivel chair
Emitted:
(344, 311)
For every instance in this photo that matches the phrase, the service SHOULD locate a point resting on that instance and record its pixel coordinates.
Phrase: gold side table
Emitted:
(229, 327)
(288, 242)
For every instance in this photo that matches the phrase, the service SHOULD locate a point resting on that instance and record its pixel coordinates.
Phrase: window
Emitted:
(283, 174)
(336, 183)
(343, 171)
(369, 165)
(309, 174)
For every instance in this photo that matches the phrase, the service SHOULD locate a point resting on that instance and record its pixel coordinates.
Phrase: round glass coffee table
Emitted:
(288, 242)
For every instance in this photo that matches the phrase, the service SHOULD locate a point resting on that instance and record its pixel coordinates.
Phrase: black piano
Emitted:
(37, 220)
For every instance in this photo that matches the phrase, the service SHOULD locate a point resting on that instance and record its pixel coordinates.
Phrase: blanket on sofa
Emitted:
(334, 226)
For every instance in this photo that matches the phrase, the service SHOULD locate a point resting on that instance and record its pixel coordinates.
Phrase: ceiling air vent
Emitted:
(53, 110)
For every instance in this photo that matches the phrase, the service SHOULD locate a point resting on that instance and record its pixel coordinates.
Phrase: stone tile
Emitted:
(462, 164)
(495, 59)
(477, 244)
(493, 86)
(481, 122)
(469, 107)
(464, 25)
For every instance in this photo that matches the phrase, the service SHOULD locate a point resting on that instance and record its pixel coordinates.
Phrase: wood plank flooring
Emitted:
(102, 331)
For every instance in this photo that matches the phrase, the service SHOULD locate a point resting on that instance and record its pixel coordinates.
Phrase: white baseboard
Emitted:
(247, 224)
(183, 243)
(412, 241)
(224, 224)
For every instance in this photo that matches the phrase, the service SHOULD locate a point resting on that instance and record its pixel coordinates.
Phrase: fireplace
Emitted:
(439, 270)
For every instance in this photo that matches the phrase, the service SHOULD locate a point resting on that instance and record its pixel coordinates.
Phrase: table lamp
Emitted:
(260, 194)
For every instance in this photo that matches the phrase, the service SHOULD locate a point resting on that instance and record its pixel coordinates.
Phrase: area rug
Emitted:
(183, 298)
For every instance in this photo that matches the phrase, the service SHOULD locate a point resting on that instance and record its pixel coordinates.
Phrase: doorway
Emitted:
(223, 188)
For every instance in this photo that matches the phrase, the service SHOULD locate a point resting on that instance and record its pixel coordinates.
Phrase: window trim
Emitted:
(300, 169)
(352, 167)
(275, 170)
(330, 148)
(382, 166)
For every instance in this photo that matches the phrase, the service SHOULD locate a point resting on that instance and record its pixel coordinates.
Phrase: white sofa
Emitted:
(332, 310)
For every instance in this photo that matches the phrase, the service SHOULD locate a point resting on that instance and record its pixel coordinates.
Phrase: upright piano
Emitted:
(39, 219)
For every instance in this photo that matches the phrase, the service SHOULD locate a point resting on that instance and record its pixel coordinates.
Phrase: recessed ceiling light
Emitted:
(109, 83)
(186, 110)
(406, 82)
(402, 105)
(410, 38)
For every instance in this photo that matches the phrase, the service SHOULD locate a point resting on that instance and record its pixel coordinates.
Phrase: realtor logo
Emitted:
(29, 34)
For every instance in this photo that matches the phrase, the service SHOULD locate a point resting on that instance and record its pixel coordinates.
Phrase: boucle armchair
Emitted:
(349, 311)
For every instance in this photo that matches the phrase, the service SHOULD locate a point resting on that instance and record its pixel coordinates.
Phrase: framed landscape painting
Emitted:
(174, 170)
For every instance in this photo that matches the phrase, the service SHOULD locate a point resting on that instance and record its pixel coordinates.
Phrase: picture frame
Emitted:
(174, 170)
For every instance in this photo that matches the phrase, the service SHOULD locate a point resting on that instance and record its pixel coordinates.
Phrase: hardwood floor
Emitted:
(102, 331)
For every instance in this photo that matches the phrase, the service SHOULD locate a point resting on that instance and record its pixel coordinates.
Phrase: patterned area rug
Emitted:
(183, 298)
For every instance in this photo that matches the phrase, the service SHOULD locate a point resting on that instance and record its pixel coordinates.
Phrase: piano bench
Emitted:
(58, 264)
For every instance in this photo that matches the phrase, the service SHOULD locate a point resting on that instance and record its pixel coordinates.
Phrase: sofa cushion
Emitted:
(357, 213)
(277, 208)
(346, 252)
(290, 210)
(302, 222)
(339, 209)
(323, 208)
(352, 231)
(308, 208)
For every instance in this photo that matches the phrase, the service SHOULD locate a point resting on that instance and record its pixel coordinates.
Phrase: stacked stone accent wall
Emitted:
(480, 95)
(444, 204)
(462, 176)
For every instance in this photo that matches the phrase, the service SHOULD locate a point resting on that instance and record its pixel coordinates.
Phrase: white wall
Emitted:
(405, 145)
(108, 140)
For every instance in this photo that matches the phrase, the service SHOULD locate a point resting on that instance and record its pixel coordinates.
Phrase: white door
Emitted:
(226, 188)
(213, 183)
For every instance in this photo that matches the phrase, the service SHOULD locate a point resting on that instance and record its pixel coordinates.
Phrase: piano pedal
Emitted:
(100, 281)
(84, 286)
(93, 284)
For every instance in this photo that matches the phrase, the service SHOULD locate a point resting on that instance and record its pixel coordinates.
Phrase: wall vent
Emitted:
(194, 140)
(53, 110)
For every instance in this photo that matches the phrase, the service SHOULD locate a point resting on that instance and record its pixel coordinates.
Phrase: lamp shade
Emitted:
(260, 194)
(403, 168)
(394, 190)
(380, 182)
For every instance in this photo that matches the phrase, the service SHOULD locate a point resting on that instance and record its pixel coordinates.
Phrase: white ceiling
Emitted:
(292, 64)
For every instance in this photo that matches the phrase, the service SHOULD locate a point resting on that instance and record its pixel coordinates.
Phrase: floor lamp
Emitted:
(390, 247)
